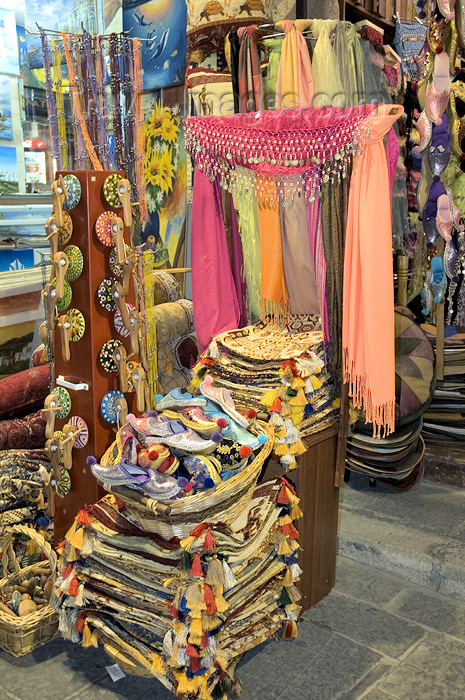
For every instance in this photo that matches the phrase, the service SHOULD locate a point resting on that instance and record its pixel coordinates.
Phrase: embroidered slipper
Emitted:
(178, 437)
(438, 92)
(444, 220)
(222, 397)
(235, 431)
(440, 147)
(447, 9)
(202, 473)
(176, 399)
(195, 419)
(450, 261)
(437, 279)
(163, 487)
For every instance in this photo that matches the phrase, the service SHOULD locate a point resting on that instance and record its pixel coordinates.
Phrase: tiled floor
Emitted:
(375, 637)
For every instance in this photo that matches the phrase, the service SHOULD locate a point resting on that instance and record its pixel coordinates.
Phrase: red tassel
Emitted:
(195, 665)
(209, 544)
(290, 531)
(73, 589)
(199, 530)
(192, 652)
(245, 451)
(283, 498)
(251, 413)
(209, 600)
(67, 571)
(207, 361)
(287, 484)
(83, 517)
(196, 569)
(275, 406)
(80, 622)
(62, 544)
(204, 643)
(173, 612)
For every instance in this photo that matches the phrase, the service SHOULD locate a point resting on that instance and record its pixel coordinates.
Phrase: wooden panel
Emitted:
(318, 528)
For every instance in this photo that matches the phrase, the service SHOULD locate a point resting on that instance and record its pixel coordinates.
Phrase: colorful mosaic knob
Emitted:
(110, 190)
(103, 227)
(64, 233)
(63, 486)
(104, 294)
(64, 399)
(118, 320)
(78, 324)
(106, 355)
(107, 405)
(73, 191)
(76, 262)
(79, 423)
(63, 303)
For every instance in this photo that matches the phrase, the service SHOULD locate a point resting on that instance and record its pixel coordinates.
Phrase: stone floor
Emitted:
(375, 636)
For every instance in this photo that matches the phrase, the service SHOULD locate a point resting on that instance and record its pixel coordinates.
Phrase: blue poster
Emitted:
(8, 170)
(6, 124)
(161, 24)
(8, 42)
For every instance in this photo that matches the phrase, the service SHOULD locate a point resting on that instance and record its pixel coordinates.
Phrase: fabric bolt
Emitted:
(326, 75)
(297, 259)
(368, 307)
(24, 391)
(250, 81)
(245, 203)
(294, 86)
(273, 283)
(271, 80)
(23, 433)
(216, 307)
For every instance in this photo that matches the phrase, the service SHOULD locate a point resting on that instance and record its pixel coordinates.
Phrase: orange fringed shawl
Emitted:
(368, 302)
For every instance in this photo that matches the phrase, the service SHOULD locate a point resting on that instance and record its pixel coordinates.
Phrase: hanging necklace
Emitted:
(115, 82)
(58, 85)
(51, 104)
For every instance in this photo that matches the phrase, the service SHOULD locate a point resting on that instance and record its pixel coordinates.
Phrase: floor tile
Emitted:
(431, 609)
(373, 676)
(339, 665)
(367, 625)
(376, 695)
(364, 582)
(435, 670)
(128, 688)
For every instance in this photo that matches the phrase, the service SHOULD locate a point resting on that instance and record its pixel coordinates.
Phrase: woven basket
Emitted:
(220, 504)
(20, 635)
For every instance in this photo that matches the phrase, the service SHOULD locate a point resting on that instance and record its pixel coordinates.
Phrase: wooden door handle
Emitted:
(65, 327)
(70, 434)
(124, 194)
(121, 407)
(52, 447)
(119, 297)
(51, 494)
(117, 232)
(128, 267)
(43, 333)
(51, 231)
(139, 381)
(51, 406)
(120, 357)
(61, 264)
(58, 195)
(49, 301)
(134, 330)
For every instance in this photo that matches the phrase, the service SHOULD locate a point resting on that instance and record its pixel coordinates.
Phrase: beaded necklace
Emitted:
(115, 83)
(56, 54)
(51, 104)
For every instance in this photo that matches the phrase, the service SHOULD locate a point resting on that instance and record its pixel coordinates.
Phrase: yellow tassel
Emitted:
(285, 520)
(195, 628)
(72, 554)
(290, 630)
(297, 448)
(294, 545)
(194, 385)
(41, 501)
(316, 383)
(285, 410)
(297, 382)
(296, 512)
(194, 595)
(210, 622)
(71, 531)
(297, 418)
(288, 578)
(337, 403)
(220, 601)
(298, 400)
(284, 548)
(157, 665)
(89, 639)
(269, 397)
(185, 685)
(77, 539)
(281, 449)
(187, 543)
(282, 433)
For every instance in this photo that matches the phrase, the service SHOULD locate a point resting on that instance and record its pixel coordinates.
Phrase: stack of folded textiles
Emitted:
(24, 475)
(269, 369)
(176, 582)
(445, 419)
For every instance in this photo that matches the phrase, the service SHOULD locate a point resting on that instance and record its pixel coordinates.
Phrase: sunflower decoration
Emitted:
(162, 130)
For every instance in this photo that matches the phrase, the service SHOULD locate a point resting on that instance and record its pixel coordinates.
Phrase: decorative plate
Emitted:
(73, 190)
(65, 401)
(64, 233)
(83, 438)
(107, 405)
(102, 227)
(61, 436)
(110, 190)
(104, 294)
(78, 324)
(63, 486)
(76, 262)
(63, 303)
(106, 355)
(125, 332)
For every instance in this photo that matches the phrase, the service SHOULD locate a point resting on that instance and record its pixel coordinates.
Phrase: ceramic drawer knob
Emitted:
(61, 264)
(65, 327)
(58, 197)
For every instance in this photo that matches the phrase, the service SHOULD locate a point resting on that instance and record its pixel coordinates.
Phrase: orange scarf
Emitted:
(295, 80)
(273, 284)
(368, 301)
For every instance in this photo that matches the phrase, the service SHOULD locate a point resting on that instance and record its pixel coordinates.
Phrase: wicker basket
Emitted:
(220, 504)
(20, 635)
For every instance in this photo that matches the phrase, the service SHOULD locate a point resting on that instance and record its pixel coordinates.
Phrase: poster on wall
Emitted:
(8, 43)
(162, 26)
(166, 178)
(8, 170)
(6, 124)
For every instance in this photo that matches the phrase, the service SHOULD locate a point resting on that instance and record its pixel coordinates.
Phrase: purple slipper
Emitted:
(162, 487)
(439, 147)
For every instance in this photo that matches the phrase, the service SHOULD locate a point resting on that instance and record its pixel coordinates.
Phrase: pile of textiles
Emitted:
(445, 418)
(186, 447)
(277, 373)
(24, 475)
(182, 611)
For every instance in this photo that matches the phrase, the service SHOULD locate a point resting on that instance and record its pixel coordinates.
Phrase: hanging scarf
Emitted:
(356, 60)
(314, 211)
(368, 308)
(237, 266)
(294, 87)
(246, 206)
(328, 86)
(273, 284)
(250, 77)
(216, 308)
(235, 45)
(271, 80)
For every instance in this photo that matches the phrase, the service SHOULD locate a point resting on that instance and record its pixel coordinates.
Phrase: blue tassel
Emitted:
(308, 410)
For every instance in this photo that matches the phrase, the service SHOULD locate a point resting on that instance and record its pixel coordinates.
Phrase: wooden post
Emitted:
(402, 279)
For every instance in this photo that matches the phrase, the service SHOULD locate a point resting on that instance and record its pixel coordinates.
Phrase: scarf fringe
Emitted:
(382, 416)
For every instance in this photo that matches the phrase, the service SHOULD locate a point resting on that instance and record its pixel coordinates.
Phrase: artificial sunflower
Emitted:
(156, 120)
(169, 131)
(154, 171)
(167, 169)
